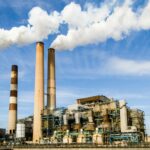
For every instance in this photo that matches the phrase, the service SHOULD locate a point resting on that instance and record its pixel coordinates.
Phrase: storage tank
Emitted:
(20, 132)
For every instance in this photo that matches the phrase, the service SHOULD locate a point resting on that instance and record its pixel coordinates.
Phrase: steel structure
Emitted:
(96, 119)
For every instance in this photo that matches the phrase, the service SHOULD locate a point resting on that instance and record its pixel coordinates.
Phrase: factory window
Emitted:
(10, 131)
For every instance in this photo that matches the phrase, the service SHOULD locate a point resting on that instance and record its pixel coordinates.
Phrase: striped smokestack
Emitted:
(12, 118)
(39, 92)
(51, 87)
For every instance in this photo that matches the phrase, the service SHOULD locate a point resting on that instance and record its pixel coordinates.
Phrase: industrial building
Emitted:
(96, 119)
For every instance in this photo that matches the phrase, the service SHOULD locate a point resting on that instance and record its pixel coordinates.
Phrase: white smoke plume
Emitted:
(87, 25)
(40, 25)
(96, 25)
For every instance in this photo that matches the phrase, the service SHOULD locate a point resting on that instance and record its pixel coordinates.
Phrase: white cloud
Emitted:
(120, 66)
(40, 25)
(81, 18)
(98, 63)
(94, 25)
(144, 18)
(88, 25)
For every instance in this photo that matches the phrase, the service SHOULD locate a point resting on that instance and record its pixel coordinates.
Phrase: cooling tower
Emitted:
(51, 87)
(39, 92)
(12, 118)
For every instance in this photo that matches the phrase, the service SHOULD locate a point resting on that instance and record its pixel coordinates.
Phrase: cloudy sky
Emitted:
(103, 48)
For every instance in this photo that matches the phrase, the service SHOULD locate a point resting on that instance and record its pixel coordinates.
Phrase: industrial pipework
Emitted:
(39, 92)
(12, 119)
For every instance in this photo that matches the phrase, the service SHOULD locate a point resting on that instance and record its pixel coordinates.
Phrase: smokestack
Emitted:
(123, 116)
(12, 118)
(39, 92)
(51, 87)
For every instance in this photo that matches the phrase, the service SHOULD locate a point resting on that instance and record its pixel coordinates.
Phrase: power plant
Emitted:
(96, 119)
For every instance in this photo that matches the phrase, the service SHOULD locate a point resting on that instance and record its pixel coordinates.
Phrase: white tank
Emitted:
(20, 132)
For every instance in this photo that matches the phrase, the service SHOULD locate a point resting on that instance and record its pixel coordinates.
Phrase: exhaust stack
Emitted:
(12, 118)
(39, 92)
(123, 118)
(51, 87)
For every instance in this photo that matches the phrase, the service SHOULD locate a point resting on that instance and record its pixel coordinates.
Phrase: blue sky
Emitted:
(115, 68)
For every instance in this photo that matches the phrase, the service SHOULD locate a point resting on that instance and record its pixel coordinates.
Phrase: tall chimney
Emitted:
(39, 92)
(51, 87)
(12, 118)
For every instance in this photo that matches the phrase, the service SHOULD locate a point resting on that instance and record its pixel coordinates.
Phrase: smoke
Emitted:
(87, 25)
(95, 25)
(40, 25)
